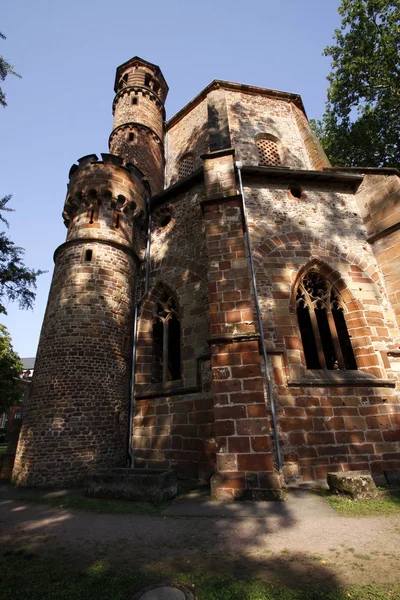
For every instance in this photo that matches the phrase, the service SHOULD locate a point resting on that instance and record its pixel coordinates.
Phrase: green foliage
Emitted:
(361, 124)
(387, 503)
(16, 280)
(5, 69)
(10, 371)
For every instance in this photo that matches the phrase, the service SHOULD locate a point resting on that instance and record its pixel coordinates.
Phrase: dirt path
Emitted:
(298, 542)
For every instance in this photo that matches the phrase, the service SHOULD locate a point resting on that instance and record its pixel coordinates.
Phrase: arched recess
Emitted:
(320, 299)
(162, 313)
(268, 150)
(281, 253)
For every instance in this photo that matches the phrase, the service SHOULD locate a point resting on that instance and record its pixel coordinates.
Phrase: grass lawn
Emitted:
(388, 503)
(25, 576)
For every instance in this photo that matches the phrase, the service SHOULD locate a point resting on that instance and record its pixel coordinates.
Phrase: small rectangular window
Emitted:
(88, 255)
(134, 100)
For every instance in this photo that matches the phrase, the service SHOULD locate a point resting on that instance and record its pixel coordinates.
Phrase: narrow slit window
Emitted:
(117, 219)
(131, 137)
(93, 214)
(323, 329)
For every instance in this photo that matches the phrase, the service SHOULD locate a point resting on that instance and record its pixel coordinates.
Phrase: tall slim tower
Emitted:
(139, 115)
(76, 421)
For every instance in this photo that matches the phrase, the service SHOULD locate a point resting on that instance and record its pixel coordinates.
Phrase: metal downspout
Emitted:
(135, 323)
(260, 325)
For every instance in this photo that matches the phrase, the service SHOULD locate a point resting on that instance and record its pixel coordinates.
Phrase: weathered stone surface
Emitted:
(359, 485)
(138, 485)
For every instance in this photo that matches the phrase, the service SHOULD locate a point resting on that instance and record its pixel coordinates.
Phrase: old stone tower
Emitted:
(266, 288)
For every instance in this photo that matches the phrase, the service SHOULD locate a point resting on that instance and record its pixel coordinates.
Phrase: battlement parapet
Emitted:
(104, 199)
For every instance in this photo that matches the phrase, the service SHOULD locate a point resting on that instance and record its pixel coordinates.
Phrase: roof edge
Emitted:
(237, 87)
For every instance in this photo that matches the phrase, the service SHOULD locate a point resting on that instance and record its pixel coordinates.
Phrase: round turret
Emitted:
(76, 419)
(139, 115)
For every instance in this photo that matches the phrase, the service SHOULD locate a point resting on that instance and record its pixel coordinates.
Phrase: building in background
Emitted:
(323, 254)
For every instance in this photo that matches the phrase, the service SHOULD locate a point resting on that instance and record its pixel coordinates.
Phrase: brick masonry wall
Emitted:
(379, 204)
(76, 420)
(329, 427)
(251, 114)
(148, 110)
(189, 134)
(176, 432)
(145, 151)
(185, 422)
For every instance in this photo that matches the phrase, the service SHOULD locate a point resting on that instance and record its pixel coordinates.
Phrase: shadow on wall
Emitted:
(251, 126)
(196, 144)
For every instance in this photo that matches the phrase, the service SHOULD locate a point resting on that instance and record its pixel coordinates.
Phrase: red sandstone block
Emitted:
(246, 371)
(238, 445)
(297, 439)
(344, 437)
(256, 410)
(320, 438)
(255, 384)
(261, 444)
(332, 450)
(361, 448)
(391, 435)
(223, 428)
(201, 417)
(252, 427)
(255, 462)
(355, 423)
(232, 316)
(296, 424)
(335, 423)
(231, 385)
(251, 358)
(378, 422)
(230, 412)
(247, 398)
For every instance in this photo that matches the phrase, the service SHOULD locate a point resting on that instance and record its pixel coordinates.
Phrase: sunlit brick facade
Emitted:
(324, 244)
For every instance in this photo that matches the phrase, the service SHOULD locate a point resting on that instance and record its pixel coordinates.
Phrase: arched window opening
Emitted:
(185, 166)
(320, 312)
(123, 81)
(268, 153)
(166, 341)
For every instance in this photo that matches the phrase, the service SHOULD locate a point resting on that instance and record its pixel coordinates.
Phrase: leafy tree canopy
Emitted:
(361, 124)
(5, 69)
(16, 280)
(10, 371)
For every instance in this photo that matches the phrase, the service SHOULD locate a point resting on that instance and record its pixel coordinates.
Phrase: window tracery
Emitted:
(166, 344)
(320, 312)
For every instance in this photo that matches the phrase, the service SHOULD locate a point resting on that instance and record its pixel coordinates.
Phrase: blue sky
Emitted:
(67, 53)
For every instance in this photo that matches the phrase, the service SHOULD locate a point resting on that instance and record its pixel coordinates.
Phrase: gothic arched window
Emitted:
(166, 341)
(268, 153)
(320, 312)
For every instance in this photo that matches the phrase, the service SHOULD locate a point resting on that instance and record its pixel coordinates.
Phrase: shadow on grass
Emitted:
(25, 575)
